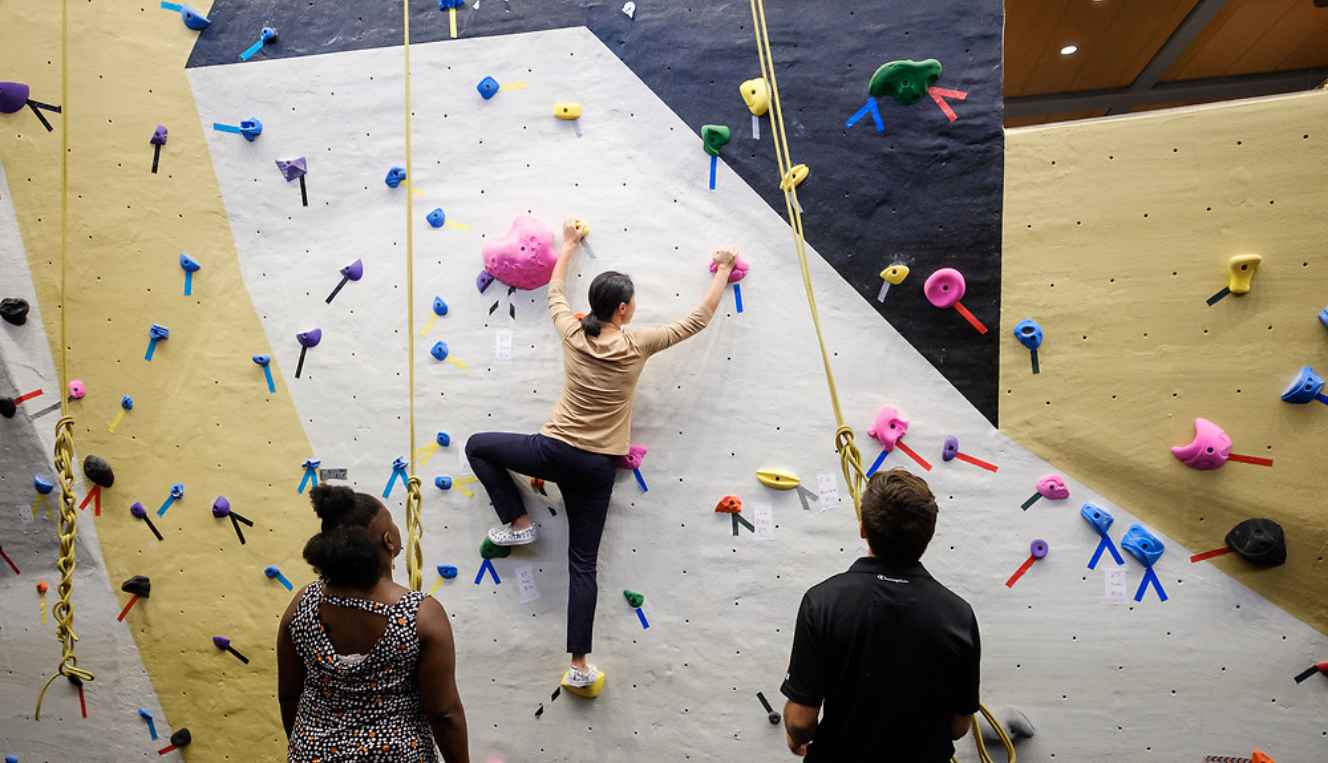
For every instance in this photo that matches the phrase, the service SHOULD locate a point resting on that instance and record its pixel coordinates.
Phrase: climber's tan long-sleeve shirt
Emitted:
(594, 410)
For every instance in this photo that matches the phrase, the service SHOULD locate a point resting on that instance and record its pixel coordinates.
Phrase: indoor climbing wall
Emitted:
(1119, 235)
(1090, 666)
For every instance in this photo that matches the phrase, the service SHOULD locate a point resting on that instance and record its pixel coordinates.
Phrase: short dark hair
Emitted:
(343, 553)
(607, 291)
(898, 516)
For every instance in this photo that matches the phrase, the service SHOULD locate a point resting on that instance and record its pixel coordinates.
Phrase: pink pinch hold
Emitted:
(945, 287)
(525, 257)
(740, 268)
(1210, 448)
(1053, 486)
(888, 427)
(635, 455)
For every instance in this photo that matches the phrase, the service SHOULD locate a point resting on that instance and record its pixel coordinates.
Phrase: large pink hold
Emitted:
(525, 257)
(1053, 486)
(1210, 448)
(888, 427)
(739, 271)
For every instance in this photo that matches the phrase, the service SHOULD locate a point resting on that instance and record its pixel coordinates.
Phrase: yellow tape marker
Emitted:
(436, 586)
(116, 422)
(457, 363)
(414, 190)
(512, 86)
(41, 591)
(429, 325)
(456, 483)
(451, 19)
(458, 226)
(41, 499)
(428, 451)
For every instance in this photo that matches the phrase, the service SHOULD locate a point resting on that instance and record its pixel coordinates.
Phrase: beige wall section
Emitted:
(198, 402)
(1116, 233)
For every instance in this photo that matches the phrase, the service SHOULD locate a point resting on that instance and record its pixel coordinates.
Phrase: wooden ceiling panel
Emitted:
(1116, 39)
(1252, 36)
(1313, 52)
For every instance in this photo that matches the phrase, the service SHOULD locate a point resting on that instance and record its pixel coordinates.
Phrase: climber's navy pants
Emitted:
(586, 481)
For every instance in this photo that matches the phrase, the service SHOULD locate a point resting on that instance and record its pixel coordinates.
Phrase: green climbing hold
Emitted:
(905, 81)
(634, 598)
(714, 136)
(491, 550)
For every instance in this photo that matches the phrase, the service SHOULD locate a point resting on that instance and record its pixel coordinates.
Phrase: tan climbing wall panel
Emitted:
(1116, 233)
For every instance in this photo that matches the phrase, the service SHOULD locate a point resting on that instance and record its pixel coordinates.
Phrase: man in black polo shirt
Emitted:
(891, 653)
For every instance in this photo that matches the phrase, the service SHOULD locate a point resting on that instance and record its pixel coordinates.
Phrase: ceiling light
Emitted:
(1069, 49)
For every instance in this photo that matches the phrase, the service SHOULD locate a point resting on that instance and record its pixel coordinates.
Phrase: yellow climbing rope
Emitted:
(64, 429)
(849, 457)
(414, 555)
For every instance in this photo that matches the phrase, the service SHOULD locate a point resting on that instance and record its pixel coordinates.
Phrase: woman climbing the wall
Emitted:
(365, 666)
(588, 430)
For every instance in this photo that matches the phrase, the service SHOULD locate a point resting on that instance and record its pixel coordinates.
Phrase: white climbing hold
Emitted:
(630, 10)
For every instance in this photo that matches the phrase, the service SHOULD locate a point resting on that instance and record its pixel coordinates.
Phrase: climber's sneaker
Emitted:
(505, 536)
(585, 684)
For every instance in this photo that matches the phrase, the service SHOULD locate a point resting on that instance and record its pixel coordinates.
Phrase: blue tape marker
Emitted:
(642, 617)
(397, 474)
(188, 283)
(152, 727)
(308, 473)
(876, 116)
(165, 506)
(225, 128)
(1105, 545)
(487, 565)
(641, 481)
(877, 463)
(272, 387)
(282, 579)
(737, 295)
(1150, 577)
(252, 50)
(152, 348)
(177, 9)
(862, 112)
(714, 160)
(1322, 398)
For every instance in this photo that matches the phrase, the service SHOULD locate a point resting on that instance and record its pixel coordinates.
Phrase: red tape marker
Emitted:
(921, 461)
(94, 493)
(167, 749)
(976, 462)
(126, 609)
(1019, 573)
(1252, 460)
(972, 319)
(82, 704)
(939, 94)
(28, 396)
(1210, 554)
(10, 562)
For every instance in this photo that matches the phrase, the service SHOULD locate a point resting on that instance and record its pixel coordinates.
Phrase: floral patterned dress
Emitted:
(362, 711)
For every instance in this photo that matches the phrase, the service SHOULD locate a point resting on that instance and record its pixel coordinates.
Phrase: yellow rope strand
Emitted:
(849, 456)
(63, 610)
(414, 556)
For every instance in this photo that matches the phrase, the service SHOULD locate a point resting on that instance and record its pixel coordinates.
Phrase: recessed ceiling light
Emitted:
(1069, 49)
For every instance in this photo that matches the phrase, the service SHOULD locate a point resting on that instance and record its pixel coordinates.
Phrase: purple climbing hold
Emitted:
(483, 280)
(292, 168)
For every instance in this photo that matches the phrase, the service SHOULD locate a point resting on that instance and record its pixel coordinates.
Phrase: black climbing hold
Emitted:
(181, 738)
(7, 407)
(138, 585)
(1260, 541)
(97, 470)
(14, 311)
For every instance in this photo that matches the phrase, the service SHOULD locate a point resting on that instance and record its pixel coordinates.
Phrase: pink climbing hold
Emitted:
(525, 257)
(945, 287)
(1053, 486)
(1210, 448)
(635, 455)
(888, 427)
(740, 267)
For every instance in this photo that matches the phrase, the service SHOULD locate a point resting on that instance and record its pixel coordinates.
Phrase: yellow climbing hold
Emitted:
(895, 274)
(794, 177)
(567, 110)
(589, 692)
(756, 94)
(779, 479)
(1242, 268)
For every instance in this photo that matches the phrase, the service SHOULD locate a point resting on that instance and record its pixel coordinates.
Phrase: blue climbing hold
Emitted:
(1305, 387)
(1143, 545)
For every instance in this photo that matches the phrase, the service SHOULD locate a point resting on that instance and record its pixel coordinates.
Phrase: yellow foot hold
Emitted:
(590, 692)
